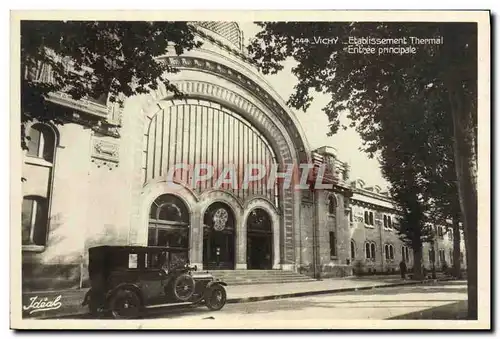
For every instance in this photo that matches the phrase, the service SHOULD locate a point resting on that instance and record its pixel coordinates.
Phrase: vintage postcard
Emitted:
(250, 170)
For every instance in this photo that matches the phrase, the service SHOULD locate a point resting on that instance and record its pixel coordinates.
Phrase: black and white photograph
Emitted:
(250, 170)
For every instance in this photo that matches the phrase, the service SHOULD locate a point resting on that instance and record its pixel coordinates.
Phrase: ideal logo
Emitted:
(42, 304)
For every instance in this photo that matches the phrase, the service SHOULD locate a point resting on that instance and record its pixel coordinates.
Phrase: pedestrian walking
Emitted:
(402, 269)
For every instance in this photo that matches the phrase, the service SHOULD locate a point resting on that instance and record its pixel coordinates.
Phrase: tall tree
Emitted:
(91, 59)
(441, 184)
(365, 84)
(442, 193)
(403, 164)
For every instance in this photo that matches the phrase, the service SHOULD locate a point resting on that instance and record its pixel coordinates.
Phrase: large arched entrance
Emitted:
(219, 237)
(169, 224)
(225, 129)
(259, 240)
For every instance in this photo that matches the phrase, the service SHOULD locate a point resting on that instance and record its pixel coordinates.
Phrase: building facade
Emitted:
(376, 246)
(103, 178)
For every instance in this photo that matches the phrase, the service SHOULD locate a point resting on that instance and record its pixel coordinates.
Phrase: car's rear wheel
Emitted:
(183, 287)
(125, 304)
(215, 297)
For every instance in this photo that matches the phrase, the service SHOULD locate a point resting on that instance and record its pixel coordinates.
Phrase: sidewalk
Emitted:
(452, 311)
(68, 302)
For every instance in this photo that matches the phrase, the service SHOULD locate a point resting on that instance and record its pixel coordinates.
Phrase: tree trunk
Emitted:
(464, 165)
(457, 270)
(417, 262)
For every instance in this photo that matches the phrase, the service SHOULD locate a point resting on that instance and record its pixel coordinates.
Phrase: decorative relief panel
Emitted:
(358, 215)
(105, 153)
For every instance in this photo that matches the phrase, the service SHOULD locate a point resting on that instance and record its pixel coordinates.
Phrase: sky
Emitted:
(315, 124)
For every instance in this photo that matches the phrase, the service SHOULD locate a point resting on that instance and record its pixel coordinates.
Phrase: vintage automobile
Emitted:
(125, 281)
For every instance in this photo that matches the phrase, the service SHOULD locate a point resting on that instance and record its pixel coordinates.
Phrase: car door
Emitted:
(152, 280)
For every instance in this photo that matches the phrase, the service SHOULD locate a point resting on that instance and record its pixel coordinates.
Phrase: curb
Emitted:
(318, 292)
(283, 295)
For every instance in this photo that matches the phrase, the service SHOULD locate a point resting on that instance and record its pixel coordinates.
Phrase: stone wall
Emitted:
(86, 208)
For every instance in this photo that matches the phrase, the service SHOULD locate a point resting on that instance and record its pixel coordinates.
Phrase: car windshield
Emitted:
(157, 260)
(166, 260)
(178, 259)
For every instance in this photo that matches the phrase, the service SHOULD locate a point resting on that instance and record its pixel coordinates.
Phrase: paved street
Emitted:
(442, 300)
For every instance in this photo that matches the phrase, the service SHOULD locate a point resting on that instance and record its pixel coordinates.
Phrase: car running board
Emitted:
(169, 305)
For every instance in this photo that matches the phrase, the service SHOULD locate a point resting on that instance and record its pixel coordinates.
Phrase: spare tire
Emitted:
(183, 287)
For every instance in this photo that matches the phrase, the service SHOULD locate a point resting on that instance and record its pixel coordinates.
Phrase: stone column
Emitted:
(241, 245)
(297, 230)
(196, 239)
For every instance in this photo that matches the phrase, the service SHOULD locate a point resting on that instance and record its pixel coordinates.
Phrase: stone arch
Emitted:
(150, 192)
(252, 83)
(209, 197)
(220, 246)
(50, 126)
(260, 203)
(352, 250)
(263, 108)
(268, 124)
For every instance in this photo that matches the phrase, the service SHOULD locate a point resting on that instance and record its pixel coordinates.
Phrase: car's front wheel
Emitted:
(125, 304)
(215, 297)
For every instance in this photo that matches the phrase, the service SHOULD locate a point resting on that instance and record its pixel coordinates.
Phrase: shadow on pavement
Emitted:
(293, 304)
(284, 304)
(453, 311)
(453, 287)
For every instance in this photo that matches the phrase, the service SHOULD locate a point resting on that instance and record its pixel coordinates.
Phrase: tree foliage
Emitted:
(91, 59)
(411, 109)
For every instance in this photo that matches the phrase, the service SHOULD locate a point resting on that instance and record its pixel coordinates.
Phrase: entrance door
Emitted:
(259, 249)
(218, 237)
(259, 240)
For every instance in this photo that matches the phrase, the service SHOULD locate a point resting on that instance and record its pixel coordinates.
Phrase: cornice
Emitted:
(373, 206)
(372, 195)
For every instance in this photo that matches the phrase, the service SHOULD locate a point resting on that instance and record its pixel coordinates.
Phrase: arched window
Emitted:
(406, 253)
(168, 222)
(34, 218)
(41, 142)
(386, 250)
(372, 246)
(370, 250)
(391, 252)
(367, 251)
(389, 222)
(371, 219)
(367, 219)
(385, 221)
(39, 172)
(353, 250)
(333, 244)
(332, 204)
